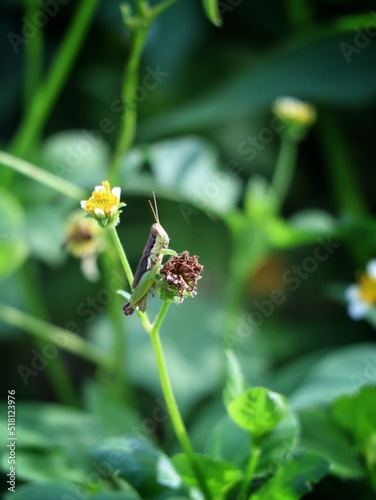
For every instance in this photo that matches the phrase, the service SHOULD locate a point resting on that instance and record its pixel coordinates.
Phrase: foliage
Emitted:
(252, 123)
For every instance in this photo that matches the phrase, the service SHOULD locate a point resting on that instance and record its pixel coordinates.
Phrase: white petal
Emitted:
(99, 188)
(113, 210)
(371, 268)
(352, 293)
(99, 213)
(117, 192)
(357, 310)
(83, 204)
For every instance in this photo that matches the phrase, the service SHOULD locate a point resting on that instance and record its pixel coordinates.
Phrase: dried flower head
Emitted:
(179, 277)
(104, 205)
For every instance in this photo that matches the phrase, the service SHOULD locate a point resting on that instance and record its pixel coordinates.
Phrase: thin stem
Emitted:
(56, 370)
(173, 410)
(250, 469)
(47, 93)
(120, 386)
(161, 7)
(129, 124)
(299, 13)
(33, 54)
(54, 334)
(340, 166)
(139, 26)
(42, 176)
(122, 255)
(284, 169)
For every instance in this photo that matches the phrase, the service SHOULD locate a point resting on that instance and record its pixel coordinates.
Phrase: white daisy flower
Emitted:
(361, 297)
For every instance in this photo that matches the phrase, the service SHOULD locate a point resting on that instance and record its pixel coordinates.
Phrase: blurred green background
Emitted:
(215, 87)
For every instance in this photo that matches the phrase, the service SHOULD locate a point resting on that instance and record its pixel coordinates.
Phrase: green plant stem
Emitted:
(129, 122)
(340, 167)
(284, 169)
(56, 369)
(123, 258)
(299, 13)
(120, 387)
(250, 469)
(173, 410)
(33, 54)
(40, 175)
(54, 334)
(45, 97)
(139, 26)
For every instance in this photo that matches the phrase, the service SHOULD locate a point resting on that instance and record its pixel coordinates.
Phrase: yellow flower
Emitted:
(297, 115)
(291, 109)
(361, 297)
(104, 204)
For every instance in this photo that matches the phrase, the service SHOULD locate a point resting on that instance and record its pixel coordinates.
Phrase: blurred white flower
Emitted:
(361, 297)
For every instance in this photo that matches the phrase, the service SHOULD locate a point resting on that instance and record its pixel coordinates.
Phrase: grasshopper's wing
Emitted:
(140, 293)
(143, 303)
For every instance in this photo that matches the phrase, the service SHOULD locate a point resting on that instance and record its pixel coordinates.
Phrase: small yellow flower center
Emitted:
(294, 110)
(367, 289)
(103, 199)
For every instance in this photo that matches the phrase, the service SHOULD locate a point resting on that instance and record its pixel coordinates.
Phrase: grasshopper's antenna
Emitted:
(154, 209)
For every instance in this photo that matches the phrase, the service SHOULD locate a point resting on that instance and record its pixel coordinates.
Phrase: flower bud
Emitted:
(84, 240)
(297, 115)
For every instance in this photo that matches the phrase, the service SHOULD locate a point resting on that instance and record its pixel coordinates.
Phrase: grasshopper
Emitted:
(156, 247)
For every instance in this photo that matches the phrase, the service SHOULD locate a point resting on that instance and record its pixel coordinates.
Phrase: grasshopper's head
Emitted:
(160, 235)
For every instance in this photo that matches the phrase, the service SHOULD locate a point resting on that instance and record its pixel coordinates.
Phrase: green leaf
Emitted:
(321, 434)
(315, 71)
(45, 233)
(53, 441)
(315, 221)
(138, 462)
(293, 478)
(63, 491)
(13, 247)
(187, 170)
(279, 445)
(235, 380)
(43, 492)
(43, 465)
(228, 442)
(212, 11)
(357, 415)
(258, 410)
(336, 374)
(220, 476)
(79, 156)
(114, 415)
